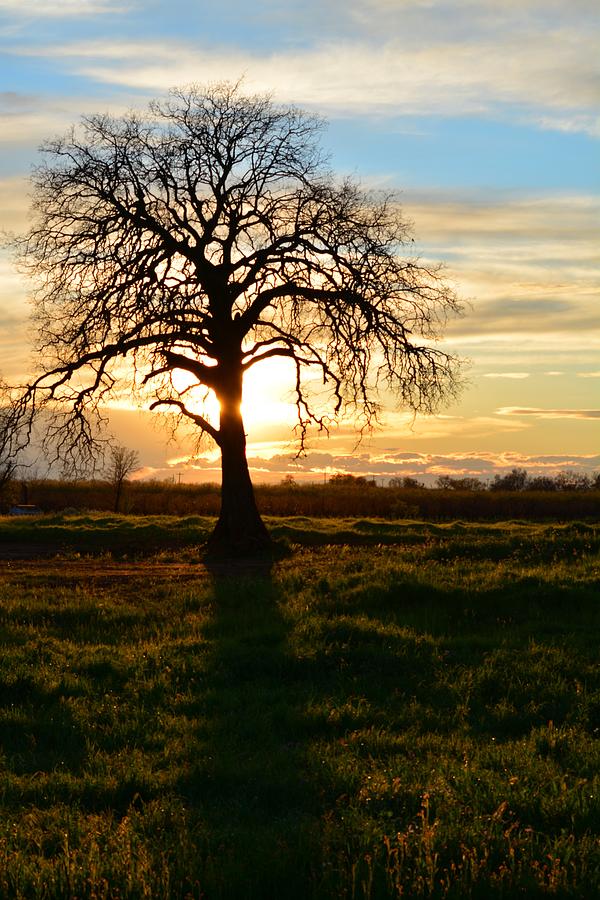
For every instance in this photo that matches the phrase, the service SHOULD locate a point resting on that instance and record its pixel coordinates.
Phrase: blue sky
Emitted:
(484, 115)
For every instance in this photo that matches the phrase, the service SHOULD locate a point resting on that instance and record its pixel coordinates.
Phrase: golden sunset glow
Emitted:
(267, 396)
(268, 400)
(497, 168)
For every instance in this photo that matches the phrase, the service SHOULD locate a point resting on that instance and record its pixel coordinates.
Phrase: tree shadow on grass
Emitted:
(248, 786)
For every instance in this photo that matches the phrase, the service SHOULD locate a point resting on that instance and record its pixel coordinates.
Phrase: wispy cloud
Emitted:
(512, 375)
(27, 119)
(14, 203)
(530, 264)
(426, 466)
(588, 374)
(60, 8)
(485, 73)
(549, 413)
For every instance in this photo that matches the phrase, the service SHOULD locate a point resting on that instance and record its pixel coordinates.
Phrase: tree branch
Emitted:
(202, 423)
(205, 374)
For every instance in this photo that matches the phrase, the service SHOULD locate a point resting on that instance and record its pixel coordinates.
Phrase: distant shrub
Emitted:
(542, 483)
(343, 480)
(406, 482)
(574, 481)
(450, 483)
(515, 480)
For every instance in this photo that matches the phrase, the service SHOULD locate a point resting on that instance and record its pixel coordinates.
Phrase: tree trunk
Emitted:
(240, 530)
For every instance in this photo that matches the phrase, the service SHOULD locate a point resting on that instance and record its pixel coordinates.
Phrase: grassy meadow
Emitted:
(388, 709)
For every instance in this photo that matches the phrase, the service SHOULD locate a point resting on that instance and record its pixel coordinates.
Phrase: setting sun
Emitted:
(267, 396)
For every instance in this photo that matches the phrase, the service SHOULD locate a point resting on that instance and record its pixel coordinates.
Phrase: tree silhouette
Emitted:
(10, 437)
(122, 462)
(208, 236)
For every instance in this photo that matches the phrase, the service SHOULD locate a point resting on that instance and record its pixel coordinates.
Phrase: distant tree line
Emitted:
(515, 480)
(513, 496)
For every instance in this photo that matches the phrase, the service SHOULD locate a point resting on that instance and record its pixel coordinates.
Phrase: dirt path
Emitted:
(46, 567)
(96, 569)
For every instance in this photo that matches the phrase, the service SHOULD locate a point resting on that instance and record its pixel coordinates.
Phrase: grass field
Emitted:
(390, 709)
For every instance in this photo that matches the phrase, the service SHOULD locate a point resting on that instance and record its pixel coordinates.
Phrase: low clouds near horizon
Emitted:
(427, 467)
(549, 413)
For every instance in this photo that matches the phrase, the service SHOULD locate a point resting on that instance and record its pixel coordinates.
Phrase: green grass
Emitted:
(94, 532)
(391, 710)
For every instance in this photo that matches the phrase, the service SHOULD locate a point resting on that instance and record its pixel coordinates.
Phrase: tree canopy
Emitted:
(207, 236)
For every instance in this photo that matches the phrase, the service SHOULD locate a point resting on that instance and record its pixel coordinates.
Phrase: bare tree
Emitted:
(9, 440)
(405, 482)
(454, 483)
(515, 480)
(123, 462)
(8, 468)
(206, 237)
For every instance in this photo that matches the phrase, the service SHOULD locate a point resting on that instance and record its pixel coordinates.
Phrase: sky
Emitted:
(484, 116)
